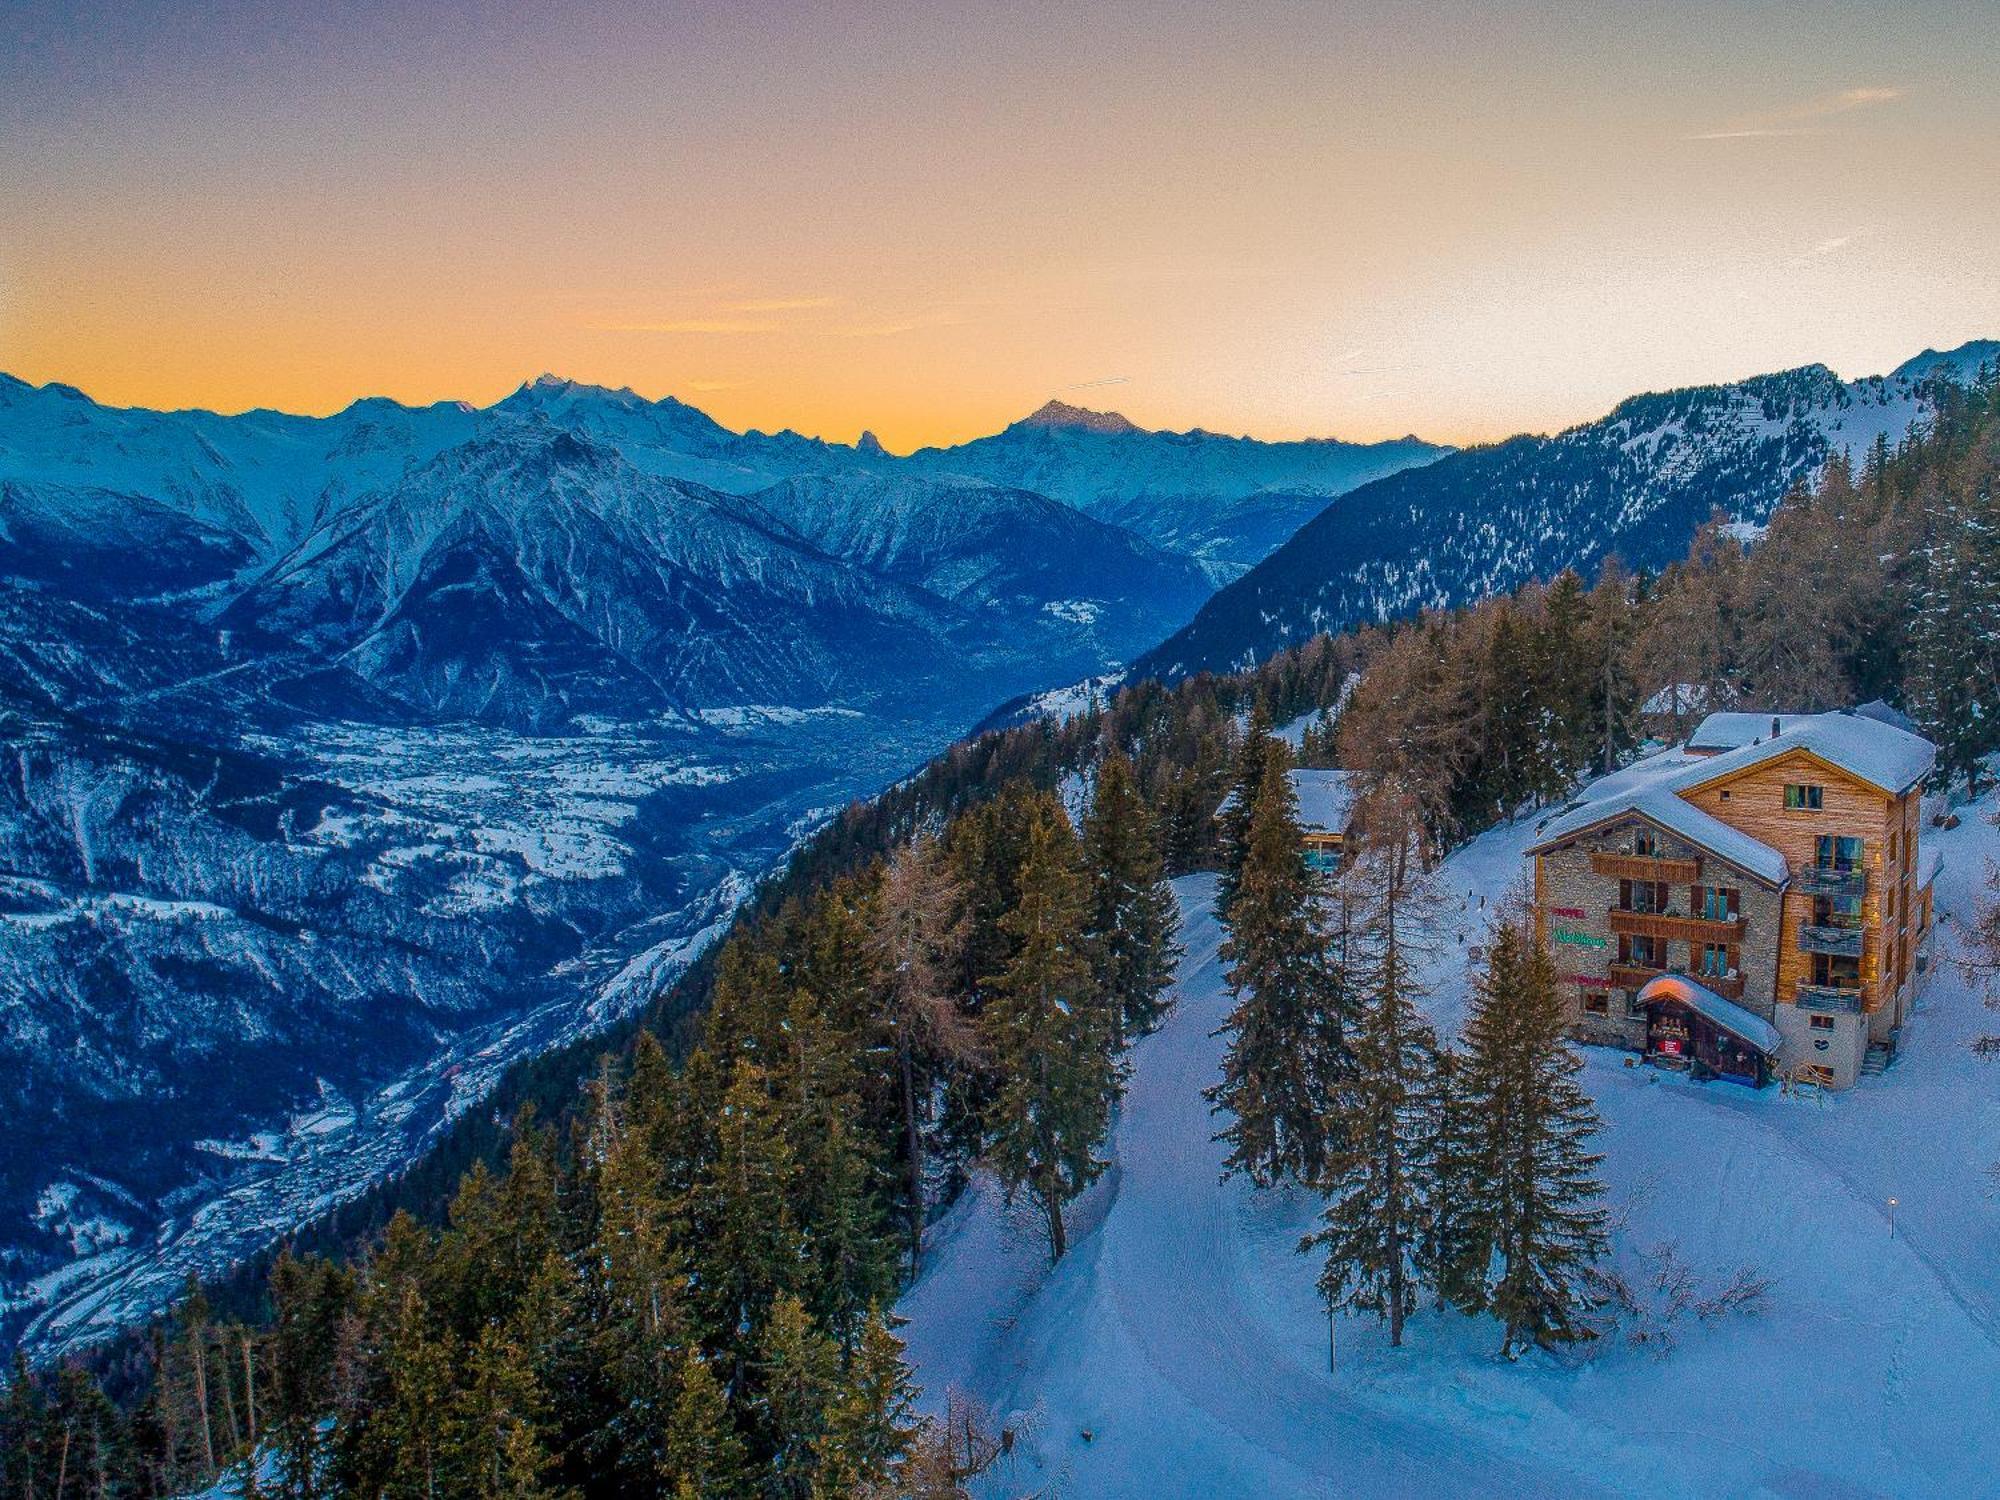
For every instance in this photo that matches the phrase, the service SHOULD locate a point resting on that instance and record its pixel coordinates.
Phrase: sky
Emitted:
(1287, 219)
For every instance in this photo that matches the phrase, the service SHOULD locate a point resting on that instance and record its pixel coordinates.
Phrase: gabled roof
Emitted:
(1727, 1014)
(1325, 799)
(1659, 805)
(1891, 759)
(1732, 731)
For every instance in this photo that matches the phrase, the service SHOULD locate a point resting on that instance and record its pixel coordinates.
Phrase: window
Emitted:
(1804, 797)
(1597, 1002)
(1642, 952)
(1838, 852)
(1718, 903)
(1647, 896)
(1715, 960)
(1893, 838)
(1836, 971)
(1820, 1074)
(1822, 1023)
(1837, 911)
(1646, 842)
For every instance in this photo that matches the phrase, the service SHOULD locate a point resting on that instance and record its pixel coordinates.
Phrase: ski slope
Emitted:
(1180, 1349)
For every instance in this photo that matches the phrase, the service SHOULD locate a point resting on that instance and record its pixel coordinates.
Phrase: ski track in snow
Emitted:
(1180, 1349)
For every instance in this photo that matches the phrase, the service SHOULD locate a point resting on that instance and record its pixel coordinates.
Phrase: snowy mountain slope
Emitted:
(1195, 492)
(524, 578)
(1181, 1348)
(986, 547)
(1486, 519)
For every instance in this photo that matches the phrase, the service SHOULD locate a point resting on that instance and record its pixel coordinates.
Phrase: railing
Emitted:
(1840, 942)
(1631, 976)
(1660, 924)
(1645, 867)
(1824, 880)
(1826, 997)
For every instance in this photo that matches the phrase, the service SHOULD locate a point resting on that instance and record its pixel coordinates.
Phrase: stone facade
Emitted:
(1575, 902)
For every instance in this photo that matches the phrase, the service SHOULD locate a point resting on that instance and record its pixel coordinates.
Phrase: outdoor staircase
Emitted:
(1876, 1059)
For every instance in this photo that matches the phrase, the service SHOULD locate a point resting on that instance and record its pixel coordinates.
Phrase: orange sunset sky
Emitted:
(1283, 219)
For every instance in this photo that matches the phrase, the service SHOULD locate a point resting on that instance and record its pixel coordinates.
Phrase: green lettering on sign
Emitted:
(1581, 939)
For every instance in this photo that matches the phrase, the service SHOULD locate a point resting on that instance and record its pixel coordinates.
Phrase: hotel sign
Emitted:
(1581, 939)
(1575, 913)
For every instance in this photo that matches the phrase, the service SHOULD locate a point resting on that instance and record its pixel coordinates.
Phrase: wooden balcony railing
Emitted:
(1824, 880)
(1660, 924)
(1645, 867)
(1841, 942)
(1631, 976)
(1826, 997)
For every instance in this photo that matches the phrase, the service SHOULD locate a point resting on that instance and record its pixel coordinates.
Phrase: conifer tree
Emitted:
(1049, 1034)
(1377, 1167)
(1239, 805)
(1133, 916)
(869, 1423)
(918, 943)
(704, 1457)
(798, 1378)
(1448, 1246)
(1536, 1219)
(1287, 1050)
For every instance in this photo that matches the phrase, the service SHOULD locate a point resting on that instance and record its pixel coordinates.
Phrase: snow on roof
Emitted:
(1880, 754)
(1325, 799)
(1661, 805)
(1727, 1014)
(1732, 731)
(1929, 862)
(1882, 713)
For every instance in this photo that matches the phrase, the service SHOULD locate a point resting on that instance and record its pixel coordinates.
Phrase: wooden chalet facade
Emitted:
(1762, 908)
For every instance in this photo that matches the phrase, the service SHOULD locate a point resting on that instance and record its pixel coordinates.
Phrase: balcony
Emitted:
(1636, 976)
(1645, 867)
(1824, 880)
(1840, 942)
(1826, 997)
(1674, 927)
(1631, 976)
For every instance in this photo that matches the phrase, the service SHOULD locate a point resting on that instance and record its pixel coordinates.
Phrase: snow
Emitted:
(1726, 1013)
(1670, 810)
(1879, 753)
(1180, 1348)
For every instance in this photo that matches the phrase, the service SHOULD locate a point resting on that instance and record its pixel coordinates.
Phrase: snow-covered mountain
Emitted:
(350, 758)
(1226, 501)
(1487, 519)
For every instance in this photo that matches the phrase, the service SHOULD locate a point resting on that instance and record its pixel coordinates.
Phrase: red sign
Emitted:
(1576, 912)
(1584, 981)
(1671, 1046)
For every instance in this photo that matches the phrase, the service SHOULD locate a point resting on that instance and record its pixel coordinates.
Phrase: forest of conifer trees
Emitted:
(673, 1277)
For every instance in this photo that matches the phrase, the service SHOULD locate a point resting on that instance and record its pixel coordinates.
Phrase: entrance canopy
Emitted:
(1746, 1026)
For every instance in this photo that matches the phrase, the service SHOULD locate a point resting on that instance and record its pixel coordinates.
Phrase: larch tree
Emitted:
(918, 941)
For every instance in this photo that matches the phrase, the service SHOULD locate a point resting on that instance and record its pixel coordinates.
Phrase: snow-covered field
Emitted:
(1180, 1349)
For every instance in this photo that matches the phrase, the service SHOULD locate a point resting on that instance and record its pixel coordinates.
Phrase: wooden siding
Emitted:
(1753, 800)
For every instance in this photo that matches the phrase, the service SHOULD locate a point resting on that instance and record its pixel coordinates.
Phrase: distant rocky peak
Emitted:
(1060, 414)
(871, 445)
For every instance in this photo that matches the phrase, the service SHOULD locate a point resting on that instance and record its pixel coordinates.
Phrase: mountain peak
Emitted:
(871, 445)
(1060, 414)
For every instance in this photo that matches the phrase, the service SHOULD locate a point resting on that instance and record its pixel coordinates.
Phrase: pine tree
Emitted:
(1376, 1172)
(798, 1378)
(1246, 775)
(870, 1422)
(1133, 916)
(1448, 1246)
(1049, 1034)
(1287, 1052)
(704, 1457)
(1535, 1216)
